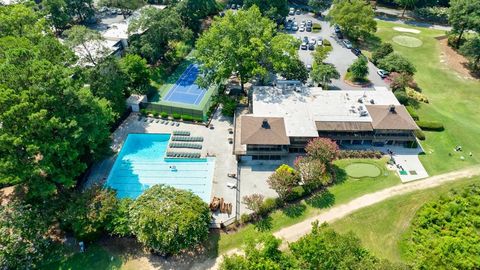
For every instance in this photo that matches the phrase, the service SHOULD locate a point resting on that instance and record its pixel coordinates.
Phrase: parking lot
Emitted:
(340, 56)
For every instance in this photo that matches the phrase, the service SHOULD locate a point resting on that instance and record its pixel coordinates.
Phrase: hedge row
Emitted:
(176, 116)
(430, 125)
(413, 113)
(419, 134)
(360, 154)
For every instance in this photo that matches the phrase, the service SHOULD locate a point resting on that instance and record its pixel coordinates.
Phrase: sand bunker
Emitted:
(408, 30)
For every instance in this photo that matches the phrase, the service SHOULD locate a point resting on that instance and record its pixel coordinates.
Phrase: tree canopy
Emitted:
(169, 220)
(355, 17)
(126, 6)
(323, 149)
(283, 180)
(243, 43)
(396, 62)
(464, 15)
(359, 68)
(444, 233)
(471, 49)
(192, 11)
(273, 9)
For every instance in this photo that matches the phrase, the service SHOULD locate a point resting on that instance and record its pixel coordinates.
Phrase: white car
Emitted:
(382, 73)
(320, 41)
(301, 29)
(347, 44)
(291, 12)
(313, 41)
(309, 67)
(294, 28)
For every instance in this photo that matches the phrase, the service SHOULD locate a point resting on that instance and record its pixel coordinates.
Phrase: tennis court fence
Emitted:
(196, 113)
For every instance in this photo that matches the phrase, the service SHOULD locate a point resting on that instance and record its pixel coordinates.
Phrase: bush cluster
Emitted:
(432, 14)
(156, 114)
(419, 134)
(413, 113)
(360, 154)
(327, 43)
(430, 125)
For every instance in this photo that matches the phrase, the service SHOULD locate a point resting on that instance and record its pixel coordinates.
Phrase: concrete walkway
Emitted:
(294, 232)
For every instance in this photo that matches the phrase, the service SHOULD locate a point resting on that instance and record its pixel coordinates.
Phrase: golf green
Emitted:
(360, 170)
(407, 41)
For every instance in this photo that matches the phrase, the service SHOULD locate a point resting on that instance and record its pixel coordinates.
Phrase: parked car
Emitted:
(356, 51)
(239, 6)
(320, 41)
(347, 43)
(227, 7)
(313, 41)
(234, 6)
(304, 45)
(336, 28)
(309, 23)
(309, 29)
(382, 73)
(291, 11)
(294, 28)
(288, 27)
(298, 12)
(301, 29)
(309, 67)
(339, 35)
(305, 39)
(311, 46)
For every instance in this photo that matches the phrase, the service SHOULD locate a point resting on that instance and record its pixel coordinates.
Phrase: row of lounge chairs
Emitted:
(187, 139)
(153, 120)
(182, 155)
(186, 145)
(181, 133)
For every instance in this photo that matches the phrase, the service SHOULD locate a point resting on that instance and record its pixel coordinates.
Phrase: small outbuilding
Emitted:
(134, 102)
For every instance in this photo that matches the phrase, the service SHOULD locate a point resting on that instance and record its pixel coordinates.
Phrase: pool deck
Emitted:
(215, 144)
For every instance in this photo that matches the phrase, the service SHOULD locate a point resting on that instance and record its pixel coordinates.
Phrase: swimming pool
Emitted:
(141, 164)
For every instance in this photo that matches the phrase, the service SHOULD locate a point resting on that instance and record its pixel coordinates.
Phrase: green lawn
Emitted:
(340, 193)
(453, 101)
(381, 226)
(95, 257)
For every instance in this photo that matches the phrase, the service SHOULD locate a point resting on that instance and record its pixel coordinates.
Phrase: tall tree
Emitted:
(406, 4)
(163, 26)
(273, 9)
(58, 11)
(464, 15)
(320, 5)
(244, 43)
(283, 180)
(126, 6)
(20, 20)
(359, 68)
(192, 11)
(356, 17)
(88, 43)
(80, 10)
(471, 49)
(108, 81)
(136, 72)
(324, 73)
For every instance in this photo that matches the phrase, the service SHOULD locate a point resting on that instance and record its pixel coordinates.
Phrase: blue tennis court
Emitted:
(185, 90)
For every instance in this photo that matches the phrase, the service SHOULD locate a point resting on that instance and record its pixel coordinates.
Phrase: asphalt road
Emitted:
(340, 56)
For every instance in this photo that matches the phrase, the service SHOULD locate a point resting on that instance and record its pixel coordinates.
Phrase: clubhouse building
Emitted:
(280, 121)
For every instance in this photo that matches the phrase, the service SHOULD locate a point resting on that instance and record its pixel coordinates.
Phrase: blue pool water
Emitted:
(141, 163)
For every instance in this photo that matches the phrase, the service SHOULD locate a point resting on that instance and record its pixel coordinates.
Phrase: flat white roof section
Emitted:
(302, 108)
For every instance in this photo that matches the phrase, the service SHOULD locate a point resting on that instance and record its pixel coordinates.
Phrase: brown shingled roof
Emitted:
(263, 130)
(343, 126)
(388, 117)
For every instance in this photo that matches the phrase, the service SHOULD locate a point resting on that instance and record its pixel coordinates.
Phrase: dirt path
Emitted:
(294, 232)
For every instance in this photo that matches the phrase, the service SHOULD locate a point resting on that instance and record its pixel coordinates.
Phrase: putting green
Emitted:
(360, 170)
(407, 41)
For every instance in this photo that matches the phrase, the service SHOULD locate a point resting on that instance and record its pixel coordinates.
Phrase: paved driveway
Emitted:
(340, 56)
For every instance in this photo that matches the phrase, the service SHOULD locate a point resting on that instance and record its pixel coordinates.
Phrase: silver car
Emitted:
(347, 43)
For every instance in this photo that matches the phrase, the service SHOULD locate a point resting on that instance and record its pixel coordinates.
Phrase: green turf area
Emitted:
(360, 170)
(453, 101)
(381, 226)
(95, 257)
(349, 189)
(407, 41)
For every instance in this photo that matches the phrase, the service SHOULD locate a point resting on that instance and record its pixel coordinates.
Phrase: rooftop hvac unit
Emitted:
(363, 113)
(372, 101)
(360, 100)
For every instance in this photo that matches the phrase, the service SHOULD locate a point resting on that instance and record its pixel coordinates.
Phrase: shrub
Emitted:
(359, 68)
(268, 206)
(283, 180)
(156, 114)
(396, 62)
(344, 154)
(400, 81)
(413, 94)
(120, 221)
(327, 43)
(176, 116)
(164, 114)
(253, 202)
(430, 125)
(312, 172)
(323, 149)
(402, 97)
(382, 51)
(316, 26)
(89, 212)
(143, 112)
(413, 113)
(187, 117)
(419, 134)
(432, 14)
(296, 193)
(245, 218)
(168, 220)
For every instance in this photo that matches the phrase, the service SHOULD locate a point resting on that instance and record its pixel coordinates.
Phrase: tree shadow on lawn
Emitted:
(264, 224)
(339, 174)
(322, 199)
(294, 210)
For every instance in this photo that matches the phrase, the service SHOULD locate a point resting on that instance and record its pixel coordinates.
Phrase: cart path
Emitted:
(294, 232)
